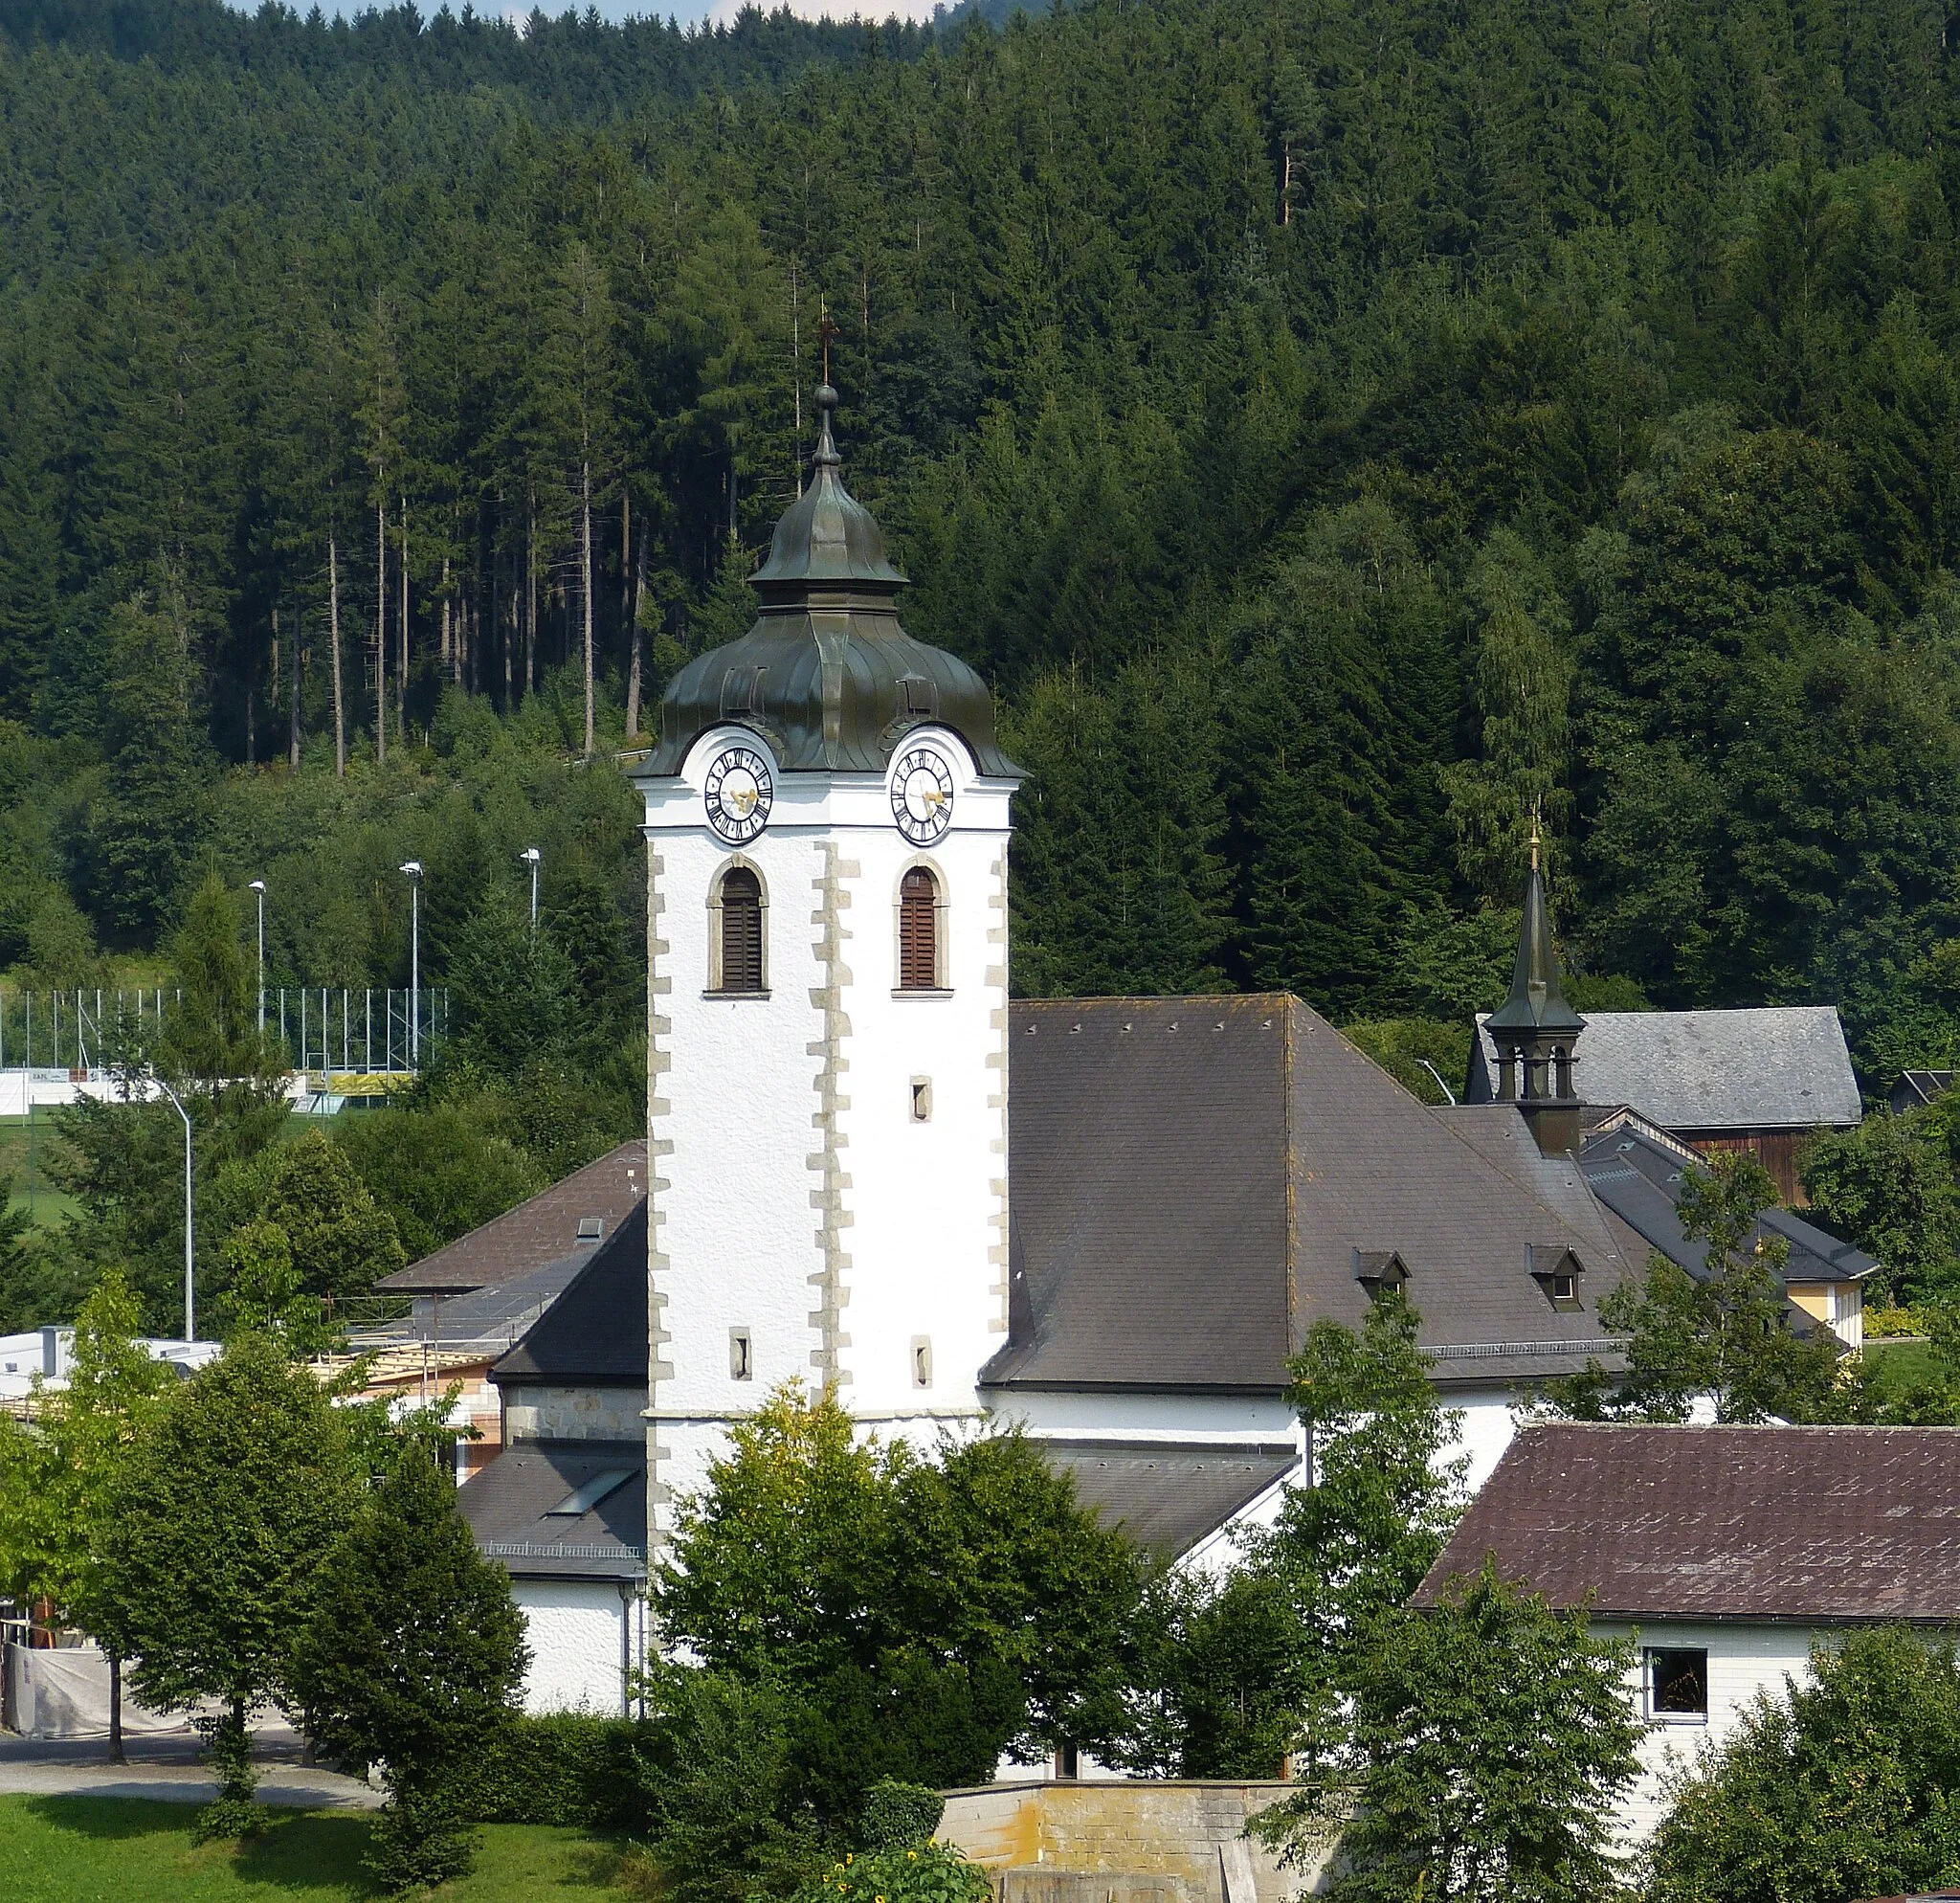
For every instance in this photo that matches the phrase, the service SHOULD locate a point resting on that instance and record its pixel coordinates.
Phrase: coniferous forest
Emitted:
(1336, 428)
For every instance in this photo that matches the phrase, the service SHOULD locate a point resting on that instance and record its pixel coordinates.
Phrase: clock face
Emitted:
(923, 794)
(738, 795)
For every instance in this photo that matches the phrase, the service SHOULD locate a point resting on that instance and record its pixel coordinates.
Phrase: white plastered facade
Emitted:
(800, 1203)
(587, 1637)
(1746, 1660)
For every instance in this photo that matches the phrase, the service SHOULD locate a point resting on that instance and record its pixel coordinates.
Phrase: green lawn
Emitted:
(49, 1206)
(1902, 1363)
(128, 1851)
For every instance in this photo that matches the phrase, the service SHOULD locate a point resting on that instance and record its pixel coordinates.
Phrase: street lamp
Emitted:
(258, 886)
(530, 856)
(414, 868)
(189, 1245)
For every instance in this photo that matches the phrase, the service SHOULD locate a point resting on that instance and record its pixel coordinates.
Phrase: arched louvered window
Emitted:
(919, 930)
(741, 929)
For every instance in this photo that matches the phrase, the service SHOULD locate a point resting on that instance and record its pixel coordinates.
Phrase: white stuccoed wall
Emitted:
(576, 1629)
(1744, 1662)
(792, 1193)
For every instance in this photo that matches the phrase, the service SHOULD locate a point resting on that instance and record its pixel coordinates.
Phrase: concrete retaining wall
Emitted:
(1122, 1842)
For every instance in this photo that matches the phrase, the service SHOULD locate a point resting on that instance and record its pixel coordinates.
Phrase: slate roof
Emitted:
(595, 1334)
(1168, 1498)
(1640, 1182)
(535, 1234)
(1828, 1524)
(510, 1509)
(1775, 1068)
(1196, 1180)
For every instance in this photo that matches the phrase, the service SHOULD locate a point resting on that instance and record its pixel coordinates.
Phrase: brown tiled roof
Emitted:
(543, 1230)
(1813, 1523)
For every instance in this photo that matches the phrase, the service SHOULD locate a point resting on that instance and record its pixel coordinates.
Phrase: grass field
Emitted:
(126, 1850)
(1902, 1363)
(49, 1206)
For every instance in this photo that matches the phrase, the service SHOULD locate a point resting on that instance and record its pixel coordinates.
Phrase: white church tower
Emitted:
(827, 820)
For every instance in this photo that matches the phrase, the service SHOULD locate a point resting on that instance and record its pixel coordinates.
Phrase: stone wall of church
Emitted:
(1044, 1839)
(574, 1413)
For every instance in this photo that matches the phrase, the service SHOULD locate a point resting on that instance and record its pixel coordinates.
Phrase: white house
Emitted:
(1724, 1552)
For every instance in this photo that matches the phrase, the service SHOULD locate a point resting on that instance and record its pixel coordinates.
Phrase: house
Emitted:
(474, 1298)
(1915, 1089)
(1724, 1552)
(1638, 1173)
(564, 1503)
(1762, 1080)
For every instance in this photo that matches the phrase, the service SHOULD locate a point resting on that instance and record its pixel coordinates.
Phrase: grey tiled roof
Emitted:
(510, 1509)
(542, 1231)
(1772, 1067)
(595, 1332)
(1641, 1181)
(1195, 1178)
(1168, 1498)
(1807, 1523)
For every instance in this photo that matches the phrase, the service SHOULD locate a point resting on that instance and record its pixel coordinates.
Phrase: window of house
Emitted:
(919, 930)
(739, 916)
(1678, 1686)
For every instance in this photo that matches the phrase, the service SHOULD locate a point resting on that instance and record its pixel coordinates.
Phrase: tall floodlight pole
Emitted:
(190, 1243)
(258, 886)
(414, 868)
(530, 856)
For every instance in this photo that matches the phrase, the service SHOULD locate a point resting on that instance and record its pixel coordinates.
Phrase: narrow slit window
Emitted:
(919, 930)
(921, 1362)
(741, 1355)
(741, 915)
(922, 1100)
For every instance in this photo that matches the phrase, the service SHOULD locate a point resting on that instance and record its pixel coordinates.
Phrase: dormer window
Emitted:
(1557, 1270)
(1379, 1270)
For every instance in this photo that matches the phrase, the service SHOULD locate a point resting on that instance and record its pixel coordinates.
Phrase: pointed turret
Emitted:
(1536, 1032)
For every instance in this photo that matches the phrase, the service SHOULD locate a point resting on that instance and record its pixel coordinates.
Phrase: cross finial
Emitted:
(827, 328)
(1534, 836)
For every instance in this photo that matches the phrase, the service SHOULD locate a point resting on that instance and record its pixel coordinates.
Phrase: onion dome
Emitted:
(827, 675)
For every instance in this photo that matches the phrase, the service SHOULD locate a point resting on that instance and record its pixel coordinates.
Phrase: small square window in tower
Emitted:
(919, 930)
(741, 929)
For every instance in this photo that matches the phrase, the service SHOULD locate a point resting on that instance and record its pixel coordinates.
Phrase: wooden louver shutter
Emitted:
(741, 931)
(918, 932)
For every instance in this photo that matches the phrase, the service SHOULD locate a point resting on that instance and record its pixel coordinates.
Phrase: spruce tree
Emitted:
(412, 1659)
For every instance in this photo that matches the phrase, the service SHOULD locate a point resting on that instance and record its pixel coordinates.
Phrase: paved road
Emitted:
(166, 1766)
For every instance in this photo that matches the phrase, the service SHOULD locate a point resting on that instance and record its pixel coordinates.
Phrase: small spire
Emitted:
(1534, 836)
(826, 457)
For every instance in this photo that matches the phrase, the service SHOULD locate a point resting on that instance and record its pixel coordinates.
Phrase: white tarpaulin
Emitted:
(64, 1693)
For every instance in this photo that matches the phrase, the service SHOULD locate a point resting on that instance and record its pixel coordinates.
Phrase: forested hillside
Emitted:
(1333, 427)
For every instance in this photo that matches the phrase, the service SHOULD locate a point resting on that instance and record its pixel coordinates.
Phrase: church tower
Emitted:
(827, 820)
(1536, 1032)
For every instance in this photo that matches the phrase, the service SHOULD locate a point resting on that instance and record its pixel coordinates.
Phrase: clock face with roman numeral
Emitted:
(738, 793)
(923, 794)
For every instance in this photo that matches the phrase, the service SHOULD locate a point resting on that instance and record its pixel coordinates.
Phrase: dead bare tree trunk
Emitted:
(292, 709)
(401, 668)
(381, 634)
(640, 574)
(333, 614)
(530, 593)
(584, 492)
